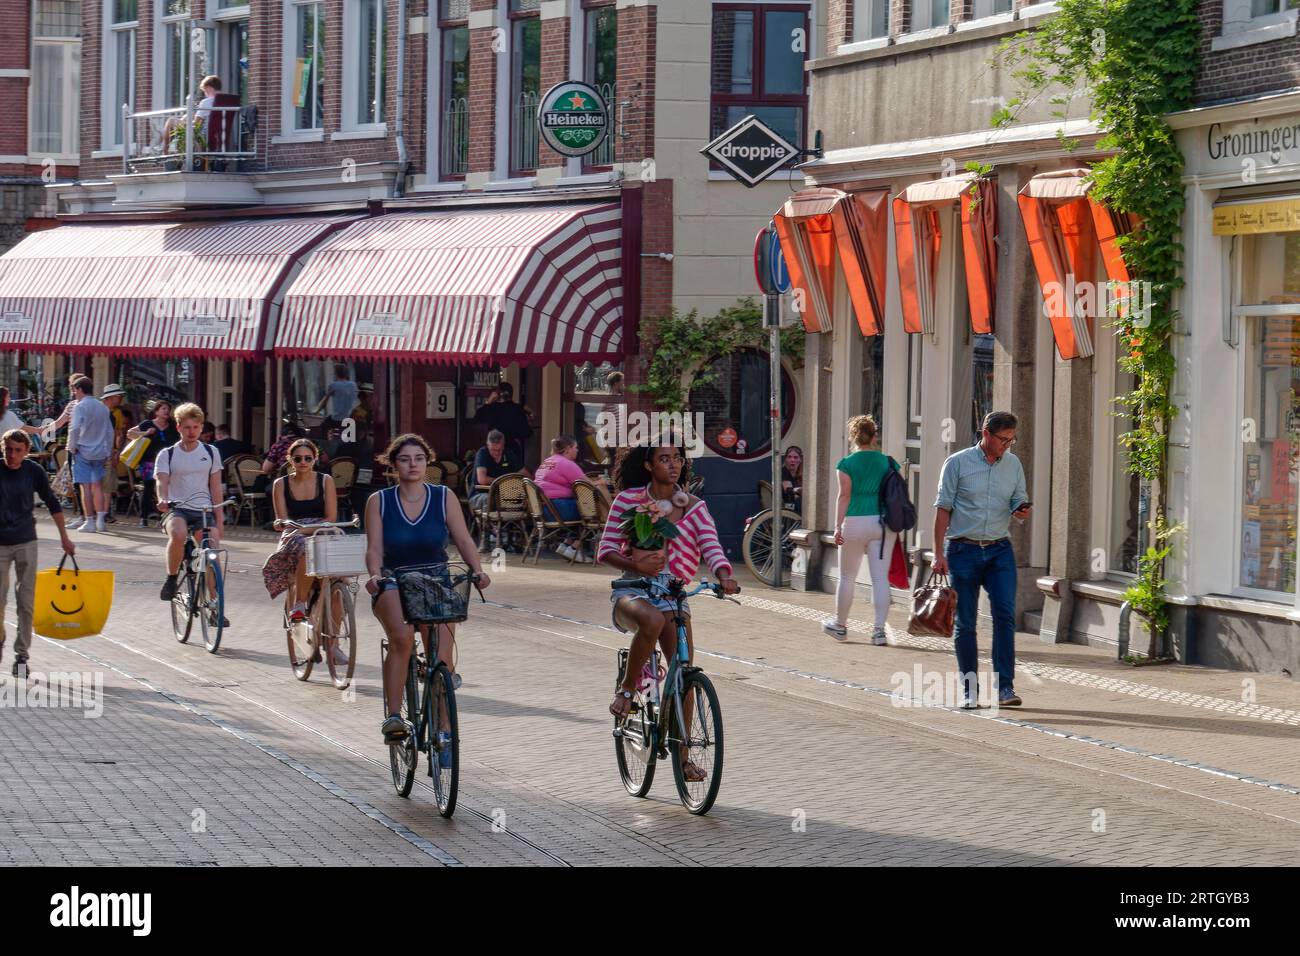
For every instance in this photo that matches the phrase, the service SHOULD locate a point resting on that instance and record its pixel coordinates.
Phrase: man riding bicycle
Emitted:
(648, 478)
(189, 478)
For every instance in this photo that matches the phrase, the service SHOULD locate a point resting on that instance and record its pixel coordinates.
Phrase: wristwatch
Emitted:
(623, 693)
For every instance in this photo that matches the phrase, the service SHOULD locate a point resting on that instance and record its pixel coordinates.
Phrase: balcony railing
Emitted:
(523, 133)
(157, 140)
(454, 142)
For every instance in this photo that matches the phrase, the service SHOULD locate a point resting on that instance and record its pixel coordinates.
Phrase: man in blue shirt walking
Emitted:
(980, 489)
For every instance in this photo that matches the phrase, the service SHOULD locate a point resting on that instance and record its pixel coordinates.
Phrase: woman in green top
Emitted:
(859, 529)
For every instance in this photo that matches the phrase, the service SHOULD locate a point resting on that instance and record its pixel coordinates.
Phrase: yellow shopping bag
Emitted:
(71, 603)
(134, 451)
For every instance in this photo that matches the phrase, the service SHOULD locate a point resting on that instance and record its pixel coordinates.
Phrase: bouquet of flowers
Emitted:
(647, 527)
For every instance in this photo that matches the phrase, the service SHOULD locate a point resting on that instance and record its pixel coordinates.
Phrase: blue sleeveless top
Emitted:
(407, 542)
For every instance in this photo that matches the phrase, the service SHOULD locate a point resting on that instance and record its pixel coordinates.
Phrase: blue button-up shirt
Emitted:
(981, 496)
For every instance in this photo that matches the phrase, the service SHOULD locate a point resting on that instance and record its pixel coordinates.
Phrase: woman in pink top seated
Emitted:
(656, 475)
(556, 476)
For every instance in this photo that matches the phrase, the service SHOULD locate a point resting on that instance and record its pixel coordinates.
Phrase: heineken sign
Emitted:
(573, 119)
(750, 151)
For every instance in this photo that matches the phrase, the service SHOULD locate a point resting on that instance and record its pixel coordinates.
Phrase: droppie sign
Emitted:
(751, 151)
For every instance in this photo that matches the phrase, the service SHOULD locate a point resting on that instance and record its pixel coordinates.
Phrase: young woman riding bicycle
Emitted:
(655, 477)
(307, 497)
(408, 525)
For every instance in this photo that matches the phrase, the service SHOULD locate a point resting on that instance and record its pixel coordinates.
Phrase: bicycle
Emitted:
(335, 633)
(429, 703)
(651, 731)
(756, 546)
(208, 564)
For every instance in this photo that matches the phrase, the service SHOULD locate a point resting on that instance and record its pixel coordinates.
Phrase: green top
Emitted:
(866, 470)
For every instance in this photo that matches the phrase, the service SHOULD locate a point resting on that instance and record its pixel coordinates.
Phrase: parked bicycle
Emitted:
(756, 546)
(330, 631)
(432, 597)
(653, 727)
(201, 584)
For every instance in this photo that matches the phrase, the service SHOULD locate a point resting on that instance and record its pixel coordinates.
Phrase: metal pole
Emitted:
(772, 319)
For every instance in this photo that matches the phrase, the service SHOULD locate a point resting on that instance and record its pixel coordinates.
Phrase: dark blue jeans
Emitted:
(994, 569)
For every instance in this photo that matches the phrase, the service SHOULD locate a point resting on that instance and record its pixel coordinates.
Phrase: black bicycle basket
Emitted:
(429, 595)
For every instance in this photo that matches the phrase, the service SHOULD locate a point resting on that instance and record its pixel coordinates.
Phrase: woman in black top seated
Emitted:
(306, 496)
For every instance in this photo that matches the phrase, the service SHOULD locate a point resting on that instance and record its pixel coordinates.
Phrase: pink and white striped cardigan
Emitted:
(697, 535)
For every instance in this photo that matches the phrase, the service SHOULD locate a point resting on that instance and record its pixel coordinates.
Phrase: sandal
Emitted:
(622, 705)
(693, 773)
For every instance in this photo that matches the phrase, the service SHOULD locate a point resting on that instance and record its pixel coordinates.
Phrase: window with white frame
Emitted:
(453, 89)
(525, 83)
(600, 67)
(988, 8)
(231, 48)
(870, 19)
(1268, 290)
(172, 73)
(364, 41)
(306, 65)
(120, 25)
(1262, 8)
(56, 78)
(928, 14)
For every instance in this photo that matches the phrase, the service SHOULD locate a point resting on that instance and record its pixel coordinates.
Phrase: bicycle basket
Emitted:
(429, 597)
(336, 555)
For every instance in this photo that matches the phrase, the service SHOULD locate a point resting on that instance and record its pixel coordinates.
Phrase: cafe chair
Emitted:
(547, 525)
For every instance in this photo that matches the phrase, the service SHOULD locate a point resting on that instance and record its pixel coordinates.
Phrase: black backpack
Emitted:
(897, 513)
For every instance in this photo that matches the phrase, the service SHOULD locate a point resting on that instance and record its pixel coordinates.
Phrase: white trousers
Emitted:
(862, 535)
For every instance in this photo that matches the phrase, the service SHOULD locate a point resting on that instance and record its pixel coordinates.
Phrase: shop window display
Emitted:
(1271, 416)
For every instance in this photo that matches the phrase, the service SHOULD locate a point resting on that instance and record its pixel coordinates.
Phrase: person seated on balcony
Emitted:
(211, 86)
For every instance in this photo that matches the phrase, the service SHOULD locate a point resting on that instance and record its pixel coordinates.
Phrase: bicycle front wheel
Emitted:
(341, 645)
(444, 739)
(212, 607)
(183, 606)
(698, 751)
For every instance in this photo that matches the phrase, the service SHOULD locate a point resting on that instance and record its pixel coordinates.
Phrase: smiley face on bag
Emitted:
(78, 609)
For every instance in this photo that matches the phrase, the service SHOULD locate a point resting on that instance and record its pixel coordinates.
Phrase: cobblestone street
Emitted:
(227, 759)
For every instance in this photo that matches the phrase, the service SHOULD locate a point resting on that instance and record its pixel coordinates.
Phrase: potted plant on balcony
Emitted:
(176, 145)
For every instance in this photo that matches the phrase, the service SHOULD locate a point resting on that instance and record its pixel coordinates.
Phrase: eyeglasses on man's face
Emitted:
(1007, 441)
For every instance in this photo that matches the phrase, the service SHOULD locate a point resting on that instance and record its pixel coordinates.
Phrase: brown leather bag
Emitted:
(934, 605)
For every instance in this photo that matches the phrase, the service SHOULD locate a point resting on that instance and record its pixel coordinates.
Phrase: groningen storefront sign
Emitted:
(573, 118)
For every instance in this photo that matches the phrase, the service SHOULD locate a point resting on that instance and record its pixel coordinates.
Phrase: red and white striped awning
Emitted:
(151, 288)
(527, 285)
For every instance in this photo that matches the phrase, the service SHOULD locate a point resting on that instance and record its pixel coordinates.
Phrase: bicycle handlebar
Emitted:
(652, 586)
(196, 507)
(318, 525)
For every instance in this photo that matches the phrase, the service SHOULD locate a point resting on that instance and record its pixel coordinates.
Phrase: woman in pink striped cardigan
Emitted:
(652, 474)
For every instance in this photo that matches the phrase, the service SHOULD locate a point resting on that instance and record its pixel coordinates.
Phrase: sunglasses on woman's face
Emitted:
(301, 459)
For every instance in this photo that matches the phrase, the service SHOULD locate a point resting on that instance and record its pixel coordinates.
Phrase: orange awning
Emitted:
(821, 226)
(1067, 229)
(918, 238)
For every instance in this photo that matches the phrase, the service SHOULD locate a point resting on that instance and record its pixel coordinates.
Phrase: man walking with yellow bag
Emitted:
(20, 482)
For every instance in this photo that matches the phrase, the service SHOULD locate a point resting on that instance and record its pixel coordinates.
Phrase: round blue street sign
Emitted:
(778, 274)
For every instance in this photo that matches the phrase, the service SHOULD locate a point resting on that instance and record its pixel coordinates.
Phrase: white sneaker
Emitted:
(582, 558)
(101, 524)
(89, 526)
(879, 636)
(77, 524)
(835, 630)
(566, 551)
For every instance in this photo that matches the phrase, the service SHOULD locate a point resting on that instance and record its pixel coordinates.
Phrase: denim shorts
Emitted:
(660, 603)
(86, 472)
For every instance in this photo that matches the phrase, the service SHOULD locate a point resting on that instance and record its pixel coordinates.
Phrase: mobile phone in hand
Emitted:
(1024, 505)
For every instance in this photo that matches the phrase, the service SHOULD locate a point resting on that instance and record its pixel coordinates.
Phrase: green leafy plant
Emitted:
(1136, 61)
(648, 528)
(682, 343)
(1147, 594)
(178, 138)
